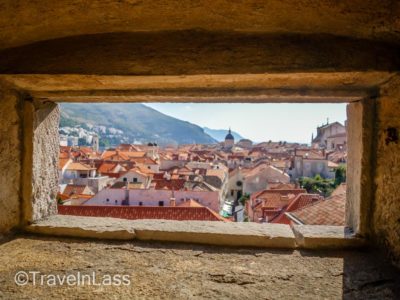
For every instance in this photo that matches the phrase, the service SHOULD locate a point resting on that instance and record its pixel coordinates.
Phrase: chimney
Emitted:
(172, 200)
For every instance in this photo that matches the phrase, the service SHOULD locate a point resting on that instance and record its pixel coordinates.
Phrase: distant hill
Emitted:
(219, 134)
(138, 122)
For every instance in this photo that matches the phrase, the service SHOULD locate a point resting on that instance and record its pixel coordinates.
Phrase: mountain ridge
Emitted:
(138, 122)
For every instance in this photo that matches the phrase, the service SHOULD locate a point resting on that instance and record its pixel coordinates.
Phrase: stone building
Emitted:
(330, 136)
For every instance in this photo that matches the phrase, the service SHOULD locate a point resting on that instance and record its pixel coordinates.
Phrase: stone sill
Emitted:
(201, 232)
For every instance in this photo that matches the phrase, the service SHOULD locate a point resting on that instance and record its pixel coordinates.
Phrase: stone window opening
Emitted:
(43, 109)
(232, 192)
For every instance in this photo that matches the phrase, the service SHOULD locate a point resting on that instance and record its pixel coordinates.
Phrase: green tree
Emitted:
(244, 198)
(340, 175)
(318, 185)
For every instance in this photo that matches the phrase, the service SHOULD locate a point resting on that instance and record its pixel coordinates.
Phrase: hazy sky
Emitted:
(258, 122)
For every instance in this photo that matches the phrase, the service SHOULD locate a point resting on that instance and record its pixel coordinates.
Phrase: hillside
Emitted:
(219, 134)
(138, 123)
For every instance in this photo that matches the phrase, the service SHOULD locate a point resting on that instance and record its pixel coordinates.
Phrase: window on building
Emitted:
(160, 203)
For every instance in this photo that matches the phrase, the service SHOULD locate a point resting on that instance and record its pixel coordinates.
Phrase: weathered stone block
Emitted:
(40, 160)
(10, 160)
(85, 227)
(328, 237)
(386, 208)
(216, 233)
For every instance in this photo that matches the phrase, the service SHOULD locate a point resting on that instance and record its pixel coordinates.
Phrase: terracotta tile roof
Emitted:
(62, 162)
(190, 203)
(341, 189)
(74, 189)
(172, 184)
(107, 167)
(281, 186)
(63, 155)
(310, 153)
(121, 155)
(77, 166)
(324, 212)
(264, 193)
(274, 201)
(143, 212)
(144, 169)
(144, 160)
(282, 219)
(300, 201)
(158, 176)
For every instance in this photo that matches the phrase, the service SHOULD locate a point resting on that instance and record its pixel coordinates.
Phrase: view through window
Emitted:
(264, 163)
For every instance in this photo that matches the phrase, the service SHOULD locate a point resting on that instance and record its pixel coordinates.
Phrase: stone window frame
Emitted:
(40, 109)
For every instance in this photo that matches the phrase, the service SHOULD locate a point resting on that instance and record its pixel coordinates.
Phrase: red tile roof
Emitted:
(281, 186)
(324, 212)
(62, 162)
(287, 192)
(172, 184)
(189, 203)
(74, 189)
(107, 167)
(300, 201)
(143, 212)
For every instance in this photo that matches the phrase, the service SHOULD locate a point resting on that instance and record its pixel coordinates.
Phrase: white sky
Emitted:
(258, 122)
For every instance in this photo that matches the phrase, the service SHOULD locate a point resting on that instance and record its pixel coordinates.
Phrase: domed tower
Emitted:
(229, 140)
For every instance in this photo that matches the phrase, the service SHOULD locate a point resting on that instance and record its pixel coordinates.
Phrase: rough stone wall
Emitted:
(23, 22)
(386, 217)
(10, 160)
(45, 160)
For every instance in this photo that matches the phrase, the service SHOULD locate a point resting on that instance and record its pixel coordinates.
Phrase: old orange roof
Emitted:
(143, 212)
(74, 189)
(62, 162)
(143, 160)
(107, 167)
(324, 212)
(121, 155)
(190, 203)
(77, 166)
(172, 184)
(341, 189)
(264, 193)
(63, 155)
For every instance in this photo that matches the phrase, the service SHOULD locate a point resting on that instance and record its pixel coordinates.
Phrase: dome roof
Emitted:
(229, 136)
